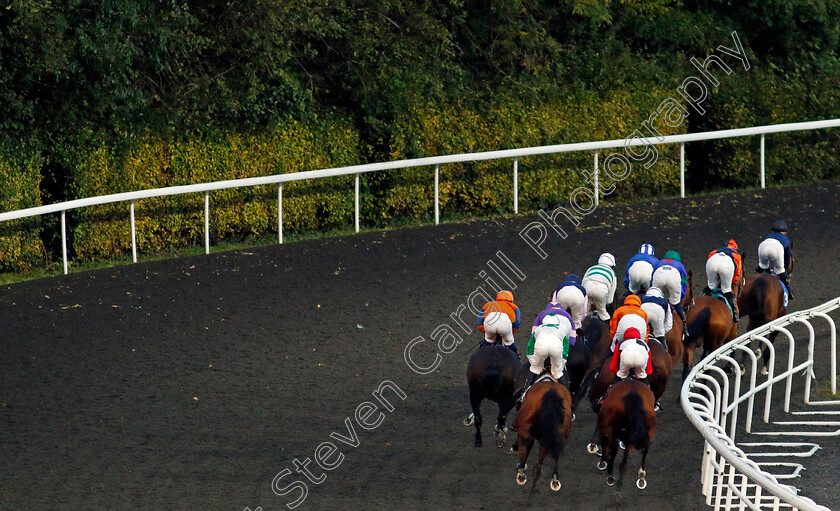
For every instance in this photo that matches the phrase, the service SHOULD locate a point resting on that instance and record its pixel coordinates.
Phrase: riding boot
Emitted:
(645, 381)
(730, 298)
(759, 269)
(529, 380)
(786, 281)
(706, 291)
(678, 308)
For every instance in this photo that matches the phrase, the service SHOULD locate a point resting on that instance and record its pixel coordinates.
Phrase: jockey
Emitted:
(571, 295)
(723, 269)
(629, 315)
(669, 275)
(774, 253)
(501, 316)
(553, 309)
(550, 340)
(632, 353)
(658, 314)
(599, 282)
(640, 270)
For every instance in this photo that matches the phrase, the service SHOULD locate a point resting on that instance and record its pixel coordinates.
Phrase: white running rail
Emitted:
(749, 475)
(435, 161)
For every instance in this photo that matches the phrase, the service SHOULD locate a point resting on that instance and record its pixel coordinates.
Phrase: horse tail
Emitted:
(552, 415)
(697, 326)
(637, 434)
(758, 293)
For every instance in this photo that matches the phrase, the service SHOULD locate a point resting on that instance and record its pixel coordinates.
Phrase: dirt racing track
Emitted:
(207, 382)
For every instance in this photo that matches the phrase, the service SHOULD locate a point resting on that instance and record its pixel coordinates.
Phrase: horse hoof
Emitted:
(555, 485)
(512, 451)
(602, 465)
(641, 484)
(521, 479)
(610, 481)
(469, 420)
(743, 371)
(621, 445)
(592, 448)
(500, 442)
(764, 371)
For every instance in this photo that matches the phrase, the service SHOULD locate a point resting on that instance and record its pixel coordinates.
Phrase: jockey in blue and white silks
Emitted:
(659, 315)
(774, 253)
(600, 282)
(670, 276)
(640, 270)
(571, 295)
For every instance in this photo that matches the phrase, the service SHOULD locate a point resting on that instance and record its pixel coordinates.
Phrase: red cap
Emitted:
(632, 333)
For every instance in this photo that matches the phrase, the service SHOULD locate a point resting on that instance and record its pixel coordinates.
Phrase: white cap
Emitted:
(655, 291)
(608, 259)
(551, 319)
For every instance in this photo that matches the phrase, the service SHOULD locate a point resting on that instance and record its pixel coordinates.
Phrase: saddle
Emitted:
(715, 293)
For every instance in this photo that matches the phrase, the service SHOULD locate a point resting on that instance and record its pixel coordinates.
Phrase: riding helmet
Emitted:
(633, 300)
(655, 291)
(647, 248)
(673, 255)
(632, 333)
(732, 244)
(779, 226)
(607, 259)
(504, 296)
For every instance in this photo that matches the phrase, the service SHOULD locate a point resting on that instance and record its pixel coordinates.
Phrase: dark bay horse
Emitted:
(493, 373)
(710, 325)
(546, 415)
(762, 300)
(626, 417)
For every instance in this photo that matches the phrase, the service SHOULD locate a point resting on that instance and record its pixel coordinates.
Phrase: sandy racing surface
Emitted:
(191, 383)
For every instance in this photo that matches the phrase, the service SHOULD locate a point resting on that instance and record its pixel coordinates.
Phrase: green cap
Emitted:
(672, 254)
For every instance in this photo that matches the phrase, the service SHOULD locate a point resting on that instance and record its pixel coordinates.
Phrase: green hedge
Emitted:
(104, 231)
(21, 247)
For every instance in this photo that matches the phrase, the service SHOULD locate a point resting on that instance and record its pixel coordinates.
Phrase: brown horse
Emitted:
(596, 334)
(762, 300)
(627, 418)
(494, 373)
(709, 326)
(546, 415)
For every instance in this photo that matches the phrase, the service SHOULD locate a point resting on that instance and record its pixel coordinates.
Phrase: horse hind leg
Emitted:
(612, 447)
(641, 482)
(501, 427)
(623, 465)
(476, 407)
(538, 466)
(525, 445)
(592, 447)
(555, 477)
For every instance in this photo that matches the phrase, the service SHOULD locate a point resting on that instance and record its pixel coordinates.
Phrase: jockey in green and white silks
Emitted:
(600, 282)
(550, 340)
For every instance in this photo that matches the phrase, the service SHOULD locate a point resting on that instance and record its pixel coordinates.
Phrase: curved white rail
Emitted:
(435, 161)
(739, 475)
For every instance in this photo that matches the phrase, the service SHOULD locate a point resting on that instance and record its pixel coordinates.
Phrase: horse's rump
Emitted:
(552, 418)
(637, 435)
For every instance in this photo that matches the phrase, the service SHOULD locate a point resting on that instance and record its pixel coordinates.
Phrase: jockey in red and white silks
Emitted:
(632, 353)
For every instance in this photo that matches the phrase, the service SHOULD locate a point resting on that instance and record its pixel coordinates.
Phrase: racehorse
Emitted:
(762, 300)
(546, 415)
(494, 373)
(626, 417)
(710, 325)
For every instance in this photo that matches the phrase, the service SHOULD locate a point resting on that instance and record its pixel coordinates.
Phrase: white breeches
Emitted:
(498, 323)
(573, 299)
(598, 294)
(660, 322)
(627, 321)
(720, 269)
(633, 356)
(771, 254)
(667, 278)
(639, 275)
(548, 345)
